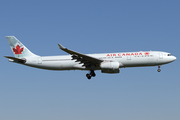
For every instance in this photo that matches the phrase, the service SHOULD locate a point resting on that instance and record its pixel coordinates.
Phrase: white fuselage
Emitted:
(106, 62)
(126, 59)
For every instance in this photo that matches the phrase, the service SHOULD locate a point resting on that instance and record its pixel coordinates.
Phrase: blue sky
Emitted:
(90, 27)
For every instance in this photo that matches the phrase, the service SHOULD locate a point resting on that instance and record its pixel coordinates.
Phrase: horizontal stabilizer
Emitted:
(13, 59)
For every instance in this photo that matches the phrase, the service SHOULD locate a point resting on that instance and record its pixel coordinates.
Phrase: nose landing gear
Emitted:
(159, 70)
(91, 74)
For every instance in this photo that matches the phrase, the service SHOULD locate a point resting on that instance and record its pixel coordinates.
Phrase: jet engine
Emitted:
(110, 67)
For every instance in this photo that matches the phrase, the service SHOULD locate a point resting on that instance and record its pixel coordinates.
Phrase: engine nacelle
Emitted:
(110, 71)
(110, 67)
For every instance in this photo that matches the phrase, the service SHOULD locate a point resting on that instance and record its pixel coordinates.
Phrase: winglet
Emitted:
(61, 47)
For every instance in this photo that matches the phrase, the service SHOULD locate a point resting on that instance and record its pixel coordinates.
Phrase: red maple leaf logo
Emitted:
(18, 50)
(146, 53)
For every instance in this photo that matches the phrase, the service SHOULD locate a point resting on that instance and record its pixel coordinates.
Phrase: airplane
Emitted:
(106, 62)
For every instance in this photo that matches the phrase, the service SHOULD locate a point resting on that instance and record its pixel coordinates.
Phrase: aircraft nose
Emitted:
(174, 58)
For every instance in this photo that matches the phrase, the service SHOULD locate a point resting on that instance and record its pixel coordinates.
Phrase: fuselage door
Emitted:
(160, 55)
(39, 60)
(129, 57)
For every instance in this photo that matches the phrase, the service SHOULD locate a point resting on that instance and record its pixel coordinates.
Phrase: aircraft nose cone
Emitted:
(174, 58)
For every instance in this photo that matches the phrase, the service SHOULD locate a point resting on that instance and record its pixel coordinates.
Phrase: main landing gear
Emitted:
(91, 74)
(159, 70)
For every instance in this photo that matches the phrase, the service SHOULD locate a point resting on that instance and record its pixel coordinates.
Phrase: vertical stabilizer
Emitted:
(18, 49)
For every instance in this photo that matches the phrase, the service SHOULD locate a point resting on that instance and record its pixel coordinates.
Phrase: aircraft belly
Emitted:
(59, 64)
(54, 65)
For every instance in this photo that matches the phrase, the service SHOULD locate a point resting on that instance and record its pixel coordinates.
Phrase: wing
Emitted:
(86, 60)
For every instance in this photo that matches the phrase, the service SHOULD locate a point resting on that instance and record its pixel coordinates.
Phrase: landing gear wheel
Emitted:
(92, 73)
(159, 70)
(88, 76)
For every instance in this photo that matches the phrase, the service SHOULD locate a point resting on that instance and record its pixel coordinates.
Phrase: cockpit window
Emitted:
(169, 55)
